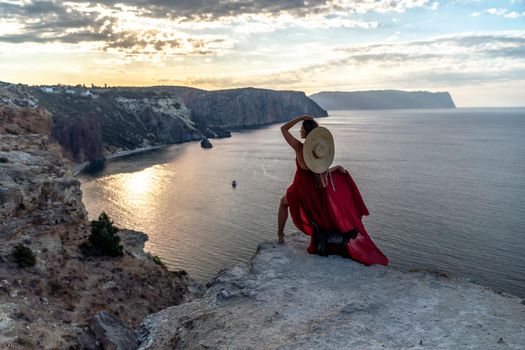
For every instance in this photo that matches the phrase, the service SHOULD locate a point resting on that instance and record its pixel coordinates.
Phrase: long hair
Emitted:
(309, 125)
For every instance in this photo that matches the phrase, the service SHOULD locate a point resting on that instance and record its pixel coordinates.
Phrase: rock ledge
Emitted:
(288, 299)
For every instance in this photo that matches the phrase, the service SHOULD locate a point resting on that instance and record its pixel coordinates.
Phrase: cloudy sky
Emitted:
(473, 48)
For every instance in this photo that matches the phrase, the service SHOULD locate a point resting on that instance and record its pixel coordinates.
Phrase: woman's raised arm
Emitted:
(285, 129)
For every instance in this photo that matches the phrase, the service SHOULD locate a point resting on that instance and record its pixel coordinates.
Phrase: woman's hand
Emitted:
(306, 117)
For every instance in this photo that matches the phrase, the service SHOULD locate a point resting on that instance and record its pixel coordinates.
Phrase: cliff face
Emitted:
(80, 136)
(49, 305)
(35, 187)
(249, 107)
(91, 127)
(288, 299)
(383, 99)
(93, 123)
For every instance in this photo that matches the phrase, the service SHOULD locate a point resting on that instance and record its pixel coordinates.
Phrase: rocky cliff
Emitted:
(383, 99)
(249, 107)
(288, 299)
(91, 124)
(112, 120)
(35, 187)
(51, 305)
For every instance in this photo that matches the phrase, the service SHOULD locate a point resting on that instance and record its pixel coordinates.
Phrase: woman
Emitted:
(302, 170)
(326, 200)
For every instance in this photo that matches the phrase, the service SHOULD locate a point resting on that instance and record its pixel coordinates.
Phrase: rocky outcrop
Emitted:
(79, 136)
(249, 107)
(16, 95)
(92, 124)
(35, 186)
(112, 333)
(23, 121)
(383, 99)
(50, 305)
(288, 299)
(116, 120)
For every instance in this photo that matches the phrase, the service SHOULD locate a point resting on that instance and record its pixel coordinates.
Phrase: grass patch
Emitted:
(157, 260)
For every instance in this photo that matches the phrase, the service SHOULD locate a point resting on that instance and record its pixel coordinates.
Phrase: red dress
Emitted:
(340, 210)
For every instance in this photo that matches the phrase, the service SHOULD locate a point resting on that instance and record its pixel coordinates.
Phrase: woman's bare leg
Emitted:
(282, 217)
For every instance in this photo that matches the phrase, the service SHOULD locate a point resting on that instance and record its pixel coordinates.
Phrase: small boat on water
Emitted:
(205, 143)
(234, 183)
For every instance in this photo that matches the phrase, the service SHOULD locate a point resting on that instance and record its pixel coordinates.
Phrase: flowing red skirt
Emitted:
(340, 210)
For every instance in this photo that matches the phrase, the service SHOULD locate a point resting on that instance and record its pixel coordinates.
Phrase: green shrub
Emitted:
(24, 256)
(103, 238)
(158, 261)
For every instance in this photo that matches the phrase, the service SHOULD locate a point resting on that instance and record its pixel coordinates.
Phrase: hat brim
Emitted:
(322, 137)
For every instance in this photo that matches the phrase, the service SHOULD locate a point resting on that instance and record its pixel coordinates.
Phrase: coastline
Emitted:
(77, 168)
(55, 286)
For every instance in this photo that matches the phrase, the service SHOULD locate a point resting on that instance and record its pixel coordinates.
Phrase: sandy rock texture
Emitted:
(288, 299)
(36, 187)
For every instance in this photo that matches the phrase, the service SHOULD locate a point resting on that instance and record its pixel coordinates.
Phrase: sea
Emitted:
(445, 190)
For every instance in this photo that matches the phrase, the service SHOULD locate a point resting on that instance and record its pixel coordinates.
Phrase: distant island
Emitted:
(382, 99)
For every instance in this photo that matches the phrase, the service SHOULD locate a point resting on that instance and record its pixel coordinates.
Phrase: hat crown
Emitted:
(319, 149)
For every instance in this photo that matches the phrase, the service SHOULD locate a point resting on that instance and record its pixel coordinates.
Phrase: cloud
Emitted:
(514, 14)
(119, 29)
(162, 27)
(496, 11)
(452, 60)
(208, 10)
(499, 12)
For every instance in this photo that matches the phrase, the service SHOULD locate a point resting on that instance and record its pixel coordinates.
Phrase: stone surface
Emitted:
(112, 333)
(133, 242)
(288, 299)
(35, 189)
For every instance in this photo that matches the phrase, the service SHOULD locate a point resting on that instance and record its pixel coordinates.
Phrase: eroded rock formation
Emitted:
(49, 305)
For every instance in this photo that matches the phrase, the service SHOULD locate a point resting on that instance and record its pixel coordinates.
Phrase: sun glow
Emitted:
(138, 189)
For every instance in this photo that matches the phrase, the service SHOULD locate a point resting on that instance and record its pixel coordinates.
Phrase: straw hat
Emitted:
(318, 150)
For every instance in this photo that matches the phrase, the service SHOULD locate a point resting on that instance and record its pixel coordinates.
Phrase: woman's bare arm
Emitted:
(285, 129)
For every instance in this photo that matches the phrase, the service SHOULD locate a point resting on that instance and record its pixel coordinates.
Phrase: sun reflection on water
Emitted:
(138, 190)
